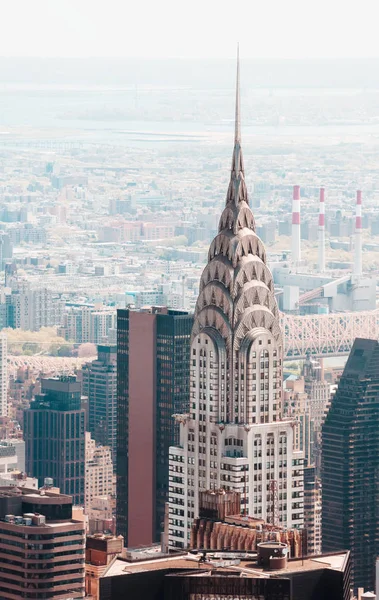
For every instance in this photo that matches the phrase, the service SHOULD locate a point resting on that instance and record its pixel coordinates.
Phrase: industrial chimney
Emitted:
(321, 232)
(358, 236)
(296, 250)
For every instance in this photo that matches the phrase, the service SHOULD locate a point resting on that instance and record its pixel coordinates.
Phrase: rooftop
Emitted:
(230, 562)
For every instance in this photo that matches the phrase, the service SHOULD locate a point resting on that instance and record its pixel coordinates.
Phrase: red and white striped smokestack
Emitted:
(358, 236)
(296, 249)
(321, 232)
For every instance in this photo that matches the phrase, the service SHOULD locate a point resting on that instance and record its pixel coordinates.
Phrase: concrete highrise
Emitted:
(234, 435)
(312, 510)
(295, 238)
(3, 376)
(84, 323)
(42, 546)
(296, 405)
(99, 384)
(153, 384)
(31, 309)
(321, 232)
(99, 477)
(54, 436)
(6, 249)
(358, 236)
(318, 392)
(350, 464)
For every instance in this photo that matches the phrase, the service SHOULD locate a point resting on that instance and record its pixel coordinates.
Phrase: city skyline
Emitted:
(173, 328)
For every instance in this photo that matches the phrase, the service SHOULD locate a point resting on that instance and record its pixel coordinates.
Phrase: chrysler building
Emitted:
(234, 436)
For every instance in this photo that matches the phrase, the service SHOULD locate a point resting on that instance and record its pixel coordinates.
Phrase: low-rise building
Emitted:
(100, 551)
(267, 575)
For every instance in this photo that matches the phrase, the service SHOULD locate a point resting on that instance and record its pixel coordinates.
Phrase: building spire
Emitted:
(237, 134)
(237, 188)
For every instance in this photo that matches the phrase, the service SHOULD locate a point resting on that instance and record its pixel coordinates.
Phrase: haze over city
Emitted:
(189, 318)
(86, 28)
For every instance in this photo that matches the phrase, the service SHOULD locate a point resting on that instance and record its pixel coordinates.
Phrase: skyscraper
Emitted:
(153, 384)
(54, 436)
(312, 510)
(3, 375)
(99, 383)
(234, 435)
(350, 464)
(99, 478)
(318, 391)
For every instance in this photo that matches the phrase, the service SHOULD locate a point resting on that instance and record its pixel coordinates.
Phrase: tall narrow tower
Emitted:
(3, 375)
(296, 246)
(234, 436)
(321, 232)
(350, 464)
(358, 236)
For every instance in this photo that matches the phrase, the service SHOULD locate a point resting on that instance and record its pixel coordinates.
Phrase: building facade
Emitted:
(3, 375)
(153, 384)
(99, 384)
(42, 549)
(234, 435)
(100, 480)
(208, 577)
(100, 551)
(31, 309)
(350, 464)
(85, 324)
(296, 405)
(312, 510)
(54, 436)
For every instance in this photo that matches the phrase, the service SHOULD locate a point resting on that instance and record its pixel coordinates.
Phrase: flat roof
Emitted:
(249, 566)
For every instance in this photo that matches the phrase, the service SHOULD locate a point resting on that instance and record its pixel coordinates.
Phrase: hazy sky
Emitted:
(189, 28)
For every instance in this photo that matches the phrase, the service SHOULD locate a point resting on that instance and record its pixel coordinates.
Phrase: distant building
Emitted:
(101, 321)
(31, 309)
(99, 383)
(120, 206)
(84, 323)
(41, 547)
(312, 510)
(309, 230)
(6, 249)
(99, 478)
(54, 436)
(318, 392)
(26, 234)
(3, 375)
(158, 231)
(145, 297)
(100, 515)
(261, 193)
(350, 463)
(151, 200)
(296, 406)
(60, 181)
(153, 384)
(8, 458)
(267, 232)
